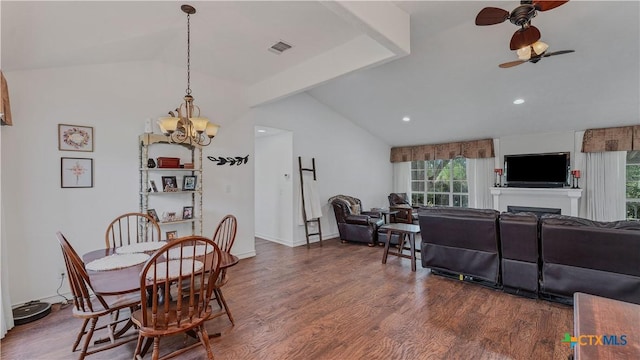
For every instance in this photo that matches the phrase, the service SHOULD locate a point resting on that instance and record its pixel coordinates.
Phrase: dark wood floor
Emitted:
(340, 302)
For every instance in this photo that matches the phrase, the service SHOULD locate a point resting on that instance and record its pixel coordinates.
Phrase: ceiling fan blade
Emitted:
(491, 16)
(543, 5)
(558, 53)
(512, 63)
(524, 37)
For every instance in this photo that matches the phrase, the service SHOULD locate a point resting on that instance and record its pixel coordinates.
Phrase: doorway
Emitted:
(273, 184)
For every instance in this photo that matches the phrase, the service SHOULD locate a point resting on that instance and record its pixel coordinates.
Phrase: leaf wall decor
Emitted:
(235, 160)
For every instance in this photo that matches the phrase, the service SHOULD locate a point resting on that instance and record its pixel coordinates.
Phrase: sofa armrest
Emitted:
(375, 214)
(357, 219)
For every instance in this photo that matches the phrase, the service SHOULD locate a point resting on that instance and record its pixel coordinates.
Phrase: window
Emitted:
(440, 182)
(633, 185)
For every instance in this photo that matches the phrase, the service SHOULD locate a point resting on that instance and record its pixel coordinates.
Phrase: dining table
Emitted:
(127, 279)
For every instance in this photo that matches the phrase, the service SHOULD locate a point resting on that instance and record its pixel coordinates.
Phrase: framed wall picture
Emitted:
(169, 182)
(187, 212)
(189, 182)
(76, 172)
(152, 186)
(172, 235)
(75, 138)
(153, 214)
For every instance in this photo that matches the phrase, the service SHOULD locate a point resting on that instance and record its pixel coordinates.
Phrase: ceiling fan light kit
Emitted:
(536, 49)
(526, 40)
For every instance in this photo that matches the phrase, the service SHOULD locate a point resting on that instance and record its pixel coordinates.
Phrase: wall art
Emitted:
(237, 160)
(76, 172)
(75, 138)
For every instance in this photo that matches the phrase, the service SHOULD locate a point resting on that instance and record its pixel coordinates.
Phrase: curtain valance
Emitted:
(622, 138)
(474, 149)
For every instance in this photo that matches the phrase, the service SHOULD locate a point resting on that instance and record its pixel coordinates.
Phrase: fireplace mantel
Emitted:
(565, 199)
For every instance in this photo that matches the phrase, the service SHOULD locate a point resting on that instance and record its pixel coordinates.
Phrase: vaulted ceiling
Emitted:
(354, 57)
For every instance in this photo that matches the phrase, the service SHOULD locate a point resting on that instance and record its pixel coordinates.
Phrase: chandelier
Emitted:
(188, 127)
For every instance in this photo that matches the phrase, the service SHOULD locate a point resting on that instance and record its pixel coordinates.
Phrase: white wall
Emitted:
(115, 99)
(348, 160)
(536, 143)
(274, 187)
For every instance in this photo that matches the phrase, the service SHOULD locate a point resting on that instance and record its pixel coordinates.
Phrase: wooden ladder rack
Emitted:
(304, 210)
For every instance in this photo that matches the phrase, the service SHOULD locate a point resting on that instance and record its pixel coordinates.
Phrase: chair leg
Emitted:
(146, 345)
(88, 337)
(80, 334)
(204, 340)
(156, 349)
(136, 353)
(218, 299)
(224, 302)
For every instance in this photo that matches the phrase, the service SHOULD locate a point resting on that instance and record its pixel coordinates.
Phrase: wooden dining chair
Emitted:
(224, 237)
(92, 307)
(171, 309)
(131, 228)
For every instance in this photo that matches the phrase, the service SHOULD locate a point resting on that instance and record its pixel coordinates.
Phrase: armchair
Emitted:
(406, 213)
(353, 223)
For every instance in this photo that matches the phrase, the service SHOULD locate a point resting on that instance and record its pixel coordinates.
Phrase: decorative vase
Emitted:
(151, 164)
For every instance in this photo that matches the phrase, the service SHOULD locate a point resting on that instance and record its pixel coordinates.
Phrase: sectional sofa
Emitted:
(551, 257)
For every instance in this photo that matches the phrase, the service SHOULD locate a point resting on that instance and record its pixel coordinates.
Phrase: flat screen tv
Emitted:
(537, 170)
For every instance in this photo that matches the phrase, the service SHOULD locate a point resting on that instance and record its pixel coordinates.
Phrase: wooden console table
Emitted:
(595, 316)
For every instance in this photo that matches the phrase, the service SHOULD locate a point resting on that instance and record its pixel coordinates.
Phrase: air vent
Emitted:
(279, 47)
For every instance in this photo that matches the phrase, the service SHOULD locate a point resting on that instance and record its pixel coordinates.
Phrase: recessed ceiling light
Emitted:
(406, 119)
(262, 131)
(518, 101)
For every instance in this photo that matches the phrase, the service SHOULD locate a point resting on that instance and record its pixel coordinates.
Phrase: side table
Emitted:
(402, 230)
(385, 213)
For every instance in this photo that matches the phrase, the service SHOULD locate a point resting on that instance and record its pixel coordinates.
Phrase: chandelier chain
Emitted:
(188, 54)
(185, 128)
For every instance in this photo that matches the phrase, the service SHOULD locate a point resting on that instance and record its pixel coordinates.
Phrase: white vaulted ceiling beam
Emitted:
(385, 36)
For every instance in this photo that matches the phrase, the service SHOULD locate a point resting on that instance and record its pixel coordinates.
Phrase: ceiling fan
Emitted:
(520, 16)
(534, 57)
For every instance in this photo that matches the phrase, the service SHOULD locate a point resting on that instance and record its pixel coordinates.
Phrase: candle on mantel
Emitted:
(576, 173)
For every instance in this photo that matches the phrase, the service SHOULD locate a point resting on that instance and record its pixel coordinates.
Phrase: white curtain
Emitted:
(480, 177)
(604, 185)
(6, 313)
(402, 177)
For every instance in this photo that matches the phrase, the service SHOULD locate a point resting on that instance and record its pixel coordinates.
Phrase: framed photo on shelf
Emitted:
(152, 186)
(169, 182)
(189, 182)
(76, 172)
(172, 235)
(187, 212)
(75, 138)
(153, 214)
